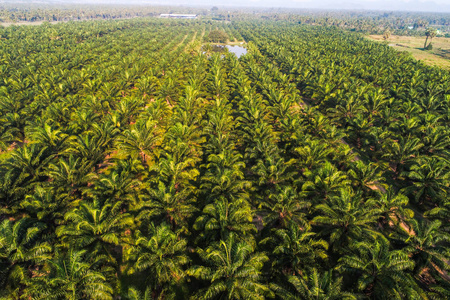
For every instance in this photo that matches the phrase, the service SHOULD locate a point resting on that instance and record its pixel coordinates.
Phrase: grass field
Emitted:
(439, 56)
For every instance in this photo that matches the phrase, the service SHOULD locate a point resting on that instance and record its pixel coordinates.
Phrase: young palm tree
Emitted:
(231, 270)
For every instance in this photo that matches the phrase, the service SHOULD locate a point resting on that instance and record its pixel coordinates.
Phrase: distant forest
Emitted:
(372, 22)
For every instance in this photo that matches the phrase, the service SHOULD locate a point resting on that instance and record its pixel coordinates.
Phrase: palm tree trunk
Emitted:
(425, 45)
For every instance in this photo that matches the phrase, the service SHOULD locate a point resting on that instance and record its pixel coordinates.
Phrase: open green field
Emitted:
(439, 56)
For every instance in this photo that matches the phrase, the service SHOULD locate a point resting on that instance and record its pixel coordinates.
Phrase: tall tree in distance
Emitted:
(430, 33)
(218, 36)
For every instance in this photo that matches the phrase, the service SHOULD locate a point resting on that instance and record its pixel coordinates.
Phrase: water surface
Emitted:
(238, 50)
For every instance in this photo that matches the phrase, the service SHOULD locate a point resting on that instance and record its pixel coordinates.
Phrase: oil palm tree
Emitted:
(70, 276)
(117, 185)
(162, 254)
(96, 227)
(140, 140)
(270, 168)
(312, 285)
(380, 273)
(400, 152)
(20, 172)
(70, 176)
(231, 270)
(283, 207)
(393, 207)
(222, 218)
(441, 213)
(313, 153)
(295, 249)
(427, 244)
(225, 177)
(367, 176)
(346, 219)
(135, 294)
(178, 166)
(166, 204)
(46, 136)
(47, 206)
(429, 177)
(324, 182)
(89, 147)
(22, 249)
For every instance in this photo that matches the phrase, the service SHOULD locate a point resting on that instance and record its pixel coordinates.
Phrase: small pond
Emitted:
(238, 50)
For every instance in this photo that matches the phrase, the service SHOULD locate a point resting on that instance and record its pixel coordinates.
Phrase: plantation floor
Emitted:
(439, 56)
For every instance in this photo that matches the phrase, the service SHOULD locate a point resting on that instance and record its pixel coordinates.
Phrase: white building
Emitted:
(178, 16)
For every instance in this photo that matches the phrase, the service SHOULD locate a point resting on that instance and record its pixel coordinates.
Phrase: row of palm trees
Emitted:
(403, 142)
(152, 170)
